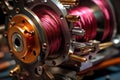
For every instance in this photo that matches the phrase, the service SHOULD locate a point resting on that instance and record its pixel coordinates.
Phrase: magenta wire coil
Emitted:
(51, 24)
(87, 22)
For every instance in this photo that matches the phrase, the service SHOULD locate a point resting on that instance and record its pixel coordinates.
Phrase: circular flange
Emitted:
(19, 9)
(23, 39)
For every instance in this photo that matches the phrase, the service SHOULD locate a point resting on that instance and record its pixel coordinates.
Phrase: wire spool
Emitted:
(51, 24)
(89, 21)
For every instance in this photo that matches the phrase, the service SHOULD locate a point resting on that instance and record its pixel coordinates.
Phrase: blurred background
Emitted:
(6, 61)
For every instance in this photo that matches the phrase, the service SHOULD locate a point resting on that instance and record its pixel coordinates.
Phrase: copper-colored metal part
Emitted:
(87, 51)
(69, 2)
(24, 27)
(72, 18)
(77, 58)
(105, 45)
(100, 47)
(15, 70)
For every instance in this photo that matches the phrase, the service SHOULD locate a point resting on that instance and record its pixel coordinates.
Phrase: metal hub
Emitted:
(23, 39)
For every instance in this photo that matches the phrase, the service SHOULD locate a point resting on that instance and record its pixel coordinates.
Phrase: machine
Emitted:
(60, 39)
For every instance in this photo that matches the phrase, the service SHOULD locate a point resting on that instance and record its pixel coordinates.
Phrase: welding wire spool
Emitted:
(51, 24)
(87, 22)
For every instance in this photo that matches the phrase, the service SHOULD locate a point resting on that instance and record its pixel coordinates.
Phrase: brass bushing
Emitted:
(23, 39)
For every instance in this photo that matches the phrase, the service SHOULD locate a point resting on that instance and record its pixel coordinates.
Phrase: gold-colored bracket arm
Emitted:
(69, 2)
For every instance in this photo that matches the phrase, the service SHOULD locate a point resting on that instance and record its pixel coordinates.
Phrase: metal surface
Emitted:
(17, 42)
(15, 70)
(77, 58)
(69, 2)
(23, 39)
(72, 18)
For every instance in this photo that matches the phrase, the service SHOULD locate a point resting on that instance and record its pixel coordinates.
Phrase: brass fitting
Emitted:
(69, 2)
(14, 71)
(77, 58)
(23, 39)
(72, 18)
